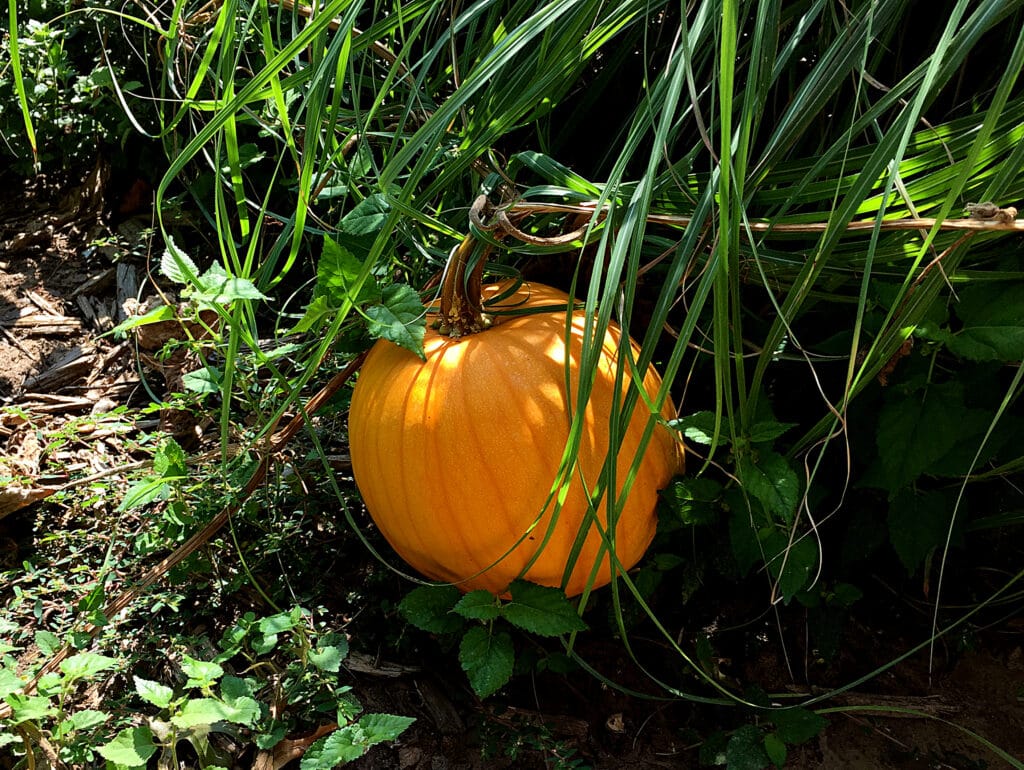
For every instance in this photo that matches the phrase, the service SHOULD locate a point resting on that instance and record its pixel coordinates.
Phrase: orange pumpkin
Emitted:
(456, 456)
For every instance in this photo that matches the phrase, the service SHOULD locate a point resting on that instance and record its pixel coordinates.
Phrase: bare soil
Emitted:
(69, 269)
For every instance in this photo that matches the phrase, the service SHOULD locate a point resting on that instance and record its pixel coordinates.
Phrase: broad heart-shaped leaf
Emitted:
(797, 725)
(768, 430)
(541, 610)
(329, 652)
(478, 605)
(430, 609)
(917, 524)
(201, 673)
(768, 476)
(368, 216)
(916, 431)
(745, 750)
(487, 658)
(131, 748)
(336, 273)
(400, 318)
(993, 322)
(29, 708)
(775, 749)
(338, 748)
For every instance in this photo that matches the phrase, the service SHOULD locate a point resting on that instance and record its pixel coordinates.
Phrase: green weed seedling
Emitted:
(45, 724)
(485, 650)
(211, 700)
(757, 746)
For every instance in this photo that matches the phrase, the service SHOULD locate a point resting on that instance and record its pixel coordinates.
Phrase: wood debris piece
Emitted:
(43, 303)
(95, 282)
(14, 497)
(127, 289)
(41, 324)
(73, 365)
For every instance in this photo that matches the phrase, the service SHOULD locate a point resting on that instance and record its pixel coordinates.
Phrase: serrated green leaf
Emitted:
(169, 460)
(201, 712)
(29, 708)
(153, 692)
(400, 318)
(144, 492)
(487, 658)
(338, 270)
(47, 642)
(797, 725)
(9, 682)
(341, 746)
(132, 747)
(316, 311)
(157, 314)
(83, 720)
(917, 524)
(368, 216)
(745, 750)
(541, 610)
(233, 688)
(478, 605)
(796, 567)
(277, 624)
(775, 749)
(205, 380)
(768, 430)
(993, 323)
(328, 657)
(176, 265)
(378, 728)
(772, 480)
(200, 673)
(692, 499)
(700, 428)
(914, 432)
(219, 288)
(430, 608)
(85, 665)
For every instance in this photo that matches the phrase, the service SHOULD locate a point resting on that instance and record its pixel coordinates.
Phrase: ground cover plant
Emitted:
(802, 212)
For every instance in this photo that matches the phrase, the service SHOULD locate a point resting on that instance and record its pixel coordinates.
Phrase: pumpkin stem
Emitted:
(461, 310)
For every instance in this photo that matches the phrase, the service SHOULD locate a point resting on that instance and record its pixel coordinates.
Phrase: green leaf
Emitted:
(153, 692)
(993, 323)
(368, 216)
(478, 605)
(487, 658)
(318, 310)
(47, 642)
(132, 747)
(917, 524)
(278, 624)
(341, 746)
(338, 270)
(202, 712)
(745, 750)
(218, 288)
(83, 720)
(700, 428)
(692, 499)
(914, 432)
(234, 688)
(378, 728)
(796, 567)
(329, 657)
(400, 318)
(541, 610)
(200, 673)
(175, 265)
(430, 608)
(712, 751)
(9, 682)
(775, 749)
(772, 480)
(746, 548)
(29, 708)
(768, 430)
(85, 665)
(169, 460)
(157, 314)
(205, 380)
(797, 725)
